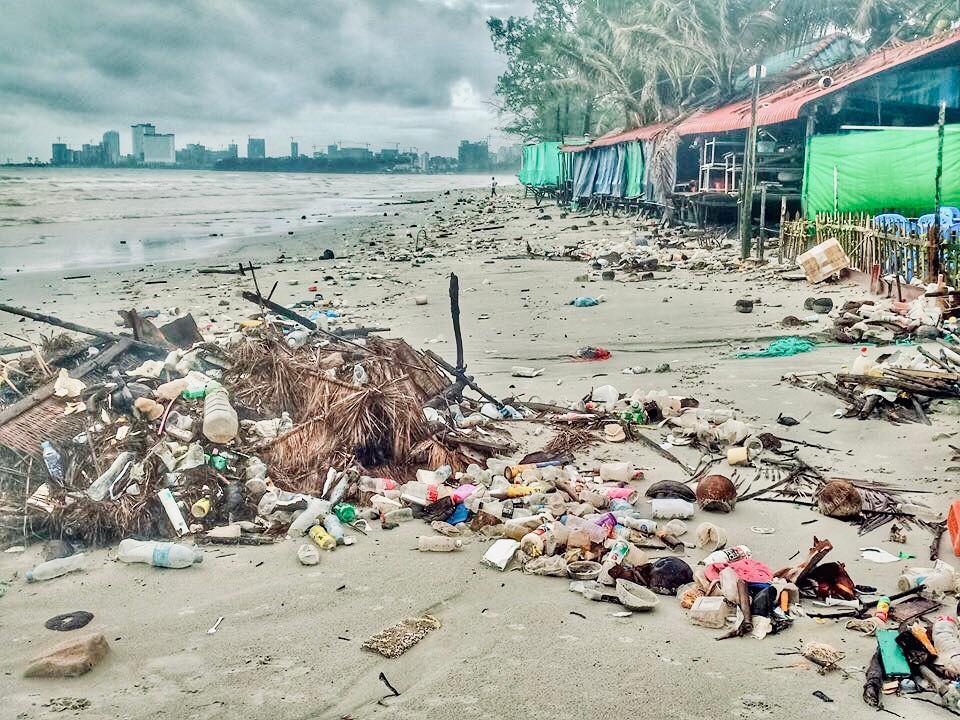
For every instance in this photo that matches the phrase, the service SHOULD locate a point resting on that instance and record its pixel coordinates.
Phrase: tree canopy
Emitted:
(585, 66)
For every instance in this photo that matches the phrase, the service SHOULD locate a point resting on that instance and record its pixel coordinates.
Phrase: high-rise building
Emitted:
(138, 132)
(232, 151)
(473, 155)
(256, 148)
(111, 147)
(159, 149)
(60, 154)
(294, 149)
(91, 154)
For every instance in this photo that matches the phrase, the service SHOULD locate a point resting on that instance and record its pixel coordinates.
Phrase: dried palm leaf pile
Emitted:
(352, 405)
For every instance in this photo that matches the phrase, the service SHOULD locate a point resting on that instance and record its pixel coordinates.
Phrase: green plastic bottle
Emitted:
(345, 512)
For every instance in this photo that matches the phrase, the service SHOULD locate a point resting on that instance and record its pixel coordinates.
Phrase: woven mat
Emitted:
(396, 640)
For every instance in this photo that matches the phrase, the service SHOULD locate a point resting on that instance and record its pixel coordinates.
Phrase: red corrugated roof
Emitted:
(647, 132)
(615, 137)
(785, 103)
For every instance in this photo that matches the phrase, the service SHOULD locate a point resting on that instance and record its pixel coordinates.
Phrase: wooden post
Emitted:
(455, 314)
(763, 220)
(933, 234)
(747, 180)
(783, 219)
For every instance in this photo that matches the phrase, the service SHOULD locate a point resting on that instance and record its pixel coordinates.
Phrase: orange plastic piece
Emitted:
(953, 525)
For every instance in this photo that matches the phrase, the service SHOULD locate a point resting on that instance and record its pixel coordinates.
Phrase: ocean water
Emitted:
(68, 219)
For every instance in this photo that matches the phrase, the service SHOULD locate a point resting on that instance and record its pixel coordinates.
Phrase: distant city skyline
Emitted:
(414, 72)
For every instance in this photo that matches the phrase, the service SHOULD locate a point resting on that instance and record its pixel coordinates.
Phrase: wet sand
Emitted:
(289, 646)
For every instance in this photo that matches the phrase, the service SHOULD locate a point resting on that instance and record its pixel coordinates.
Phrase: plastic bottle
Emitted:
(862, 365)
(159, 554)
(539, 542)
(376, 485)
(220, 423)
(100, 488)
(55, 568)
(596, 533)
(345, 512)
(497, 466)
(332, 525)
(383, 504)
(647, 527)
(939, 579)
(729, 585)
(308, 518)
(201, 508)
(53, 461)
(174, 514)
(421, 493)
(398, 516)
(669, 508)
(322, 538)
(461, 493)
(438, 543)
(606, 395)
(616, 472)
(946, 639)
(730, 554)
(339, 490)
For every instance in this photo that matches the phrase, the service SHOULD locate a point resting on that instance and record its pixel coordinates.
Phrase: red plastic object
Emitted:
(953, 525)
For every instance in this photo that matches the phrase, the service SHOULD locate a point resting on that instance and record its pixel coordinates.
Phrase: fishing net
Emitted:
(783, 347)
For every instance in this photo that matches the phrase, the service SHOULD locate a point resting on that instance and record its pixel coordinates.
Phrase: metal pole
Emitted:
(747, 181)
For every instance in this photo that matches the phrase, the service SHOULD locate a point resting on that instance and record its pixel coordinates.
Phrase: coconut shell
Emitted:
(840, 499)
(716, 493)
(670, 489)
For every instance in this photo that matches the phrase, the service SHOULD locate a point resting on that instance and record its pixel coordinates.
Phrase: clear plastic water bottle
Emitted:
(53, 461)
(159, 554)
(332, 525)
(306, 519)
(220, 423)
(55, 568)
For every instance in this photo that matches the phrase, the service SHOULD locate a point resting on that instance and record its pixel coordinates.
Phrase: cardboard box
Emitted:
(824, 260)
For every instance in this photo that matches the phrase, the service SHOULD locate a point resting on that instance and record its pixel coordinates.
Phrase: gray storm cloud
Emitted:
(212, 70)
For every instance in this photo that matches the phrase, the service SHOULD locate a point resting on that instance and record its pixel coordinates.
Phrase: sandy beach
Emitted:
(509, 645)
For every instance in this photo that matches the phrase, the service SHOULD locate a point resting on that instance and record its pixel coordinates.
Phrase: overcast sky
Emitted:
(416, 72)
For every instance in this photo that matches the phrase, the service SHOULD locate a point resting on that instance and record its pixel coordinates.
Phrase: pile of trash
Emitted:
(900, 386)
(142, 441)
(887, 320)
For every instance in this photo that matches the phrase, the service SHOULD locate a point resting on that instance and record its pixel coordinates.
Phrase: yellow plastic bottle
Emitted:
(322, 538)
(200, 508)
(515, 491)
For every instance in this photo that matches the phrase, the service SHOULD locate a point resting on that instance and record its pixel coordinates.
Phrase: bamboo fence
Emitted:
(868, 244)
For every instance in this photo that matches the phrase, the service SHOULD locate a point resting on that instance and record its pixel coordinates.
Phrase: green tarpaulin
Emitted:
(634, 170)
(880, 170)
(541, 165)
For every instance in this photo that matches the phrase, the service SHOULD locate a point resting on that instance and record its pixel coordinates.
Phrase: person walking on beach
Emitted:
(493, 186)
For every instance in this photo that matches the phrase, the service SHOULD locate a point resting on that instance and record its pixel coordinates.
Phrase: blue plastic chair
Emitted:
(948, 216)
(893, 221)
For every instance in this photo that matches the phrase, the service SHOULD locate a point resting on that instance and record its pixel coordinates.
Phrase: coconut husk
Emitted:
(840, 499)
(716, 493)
